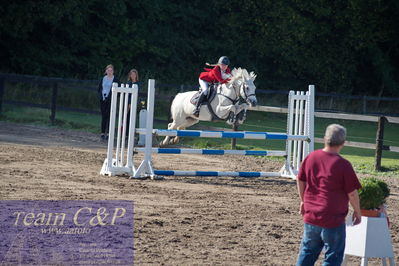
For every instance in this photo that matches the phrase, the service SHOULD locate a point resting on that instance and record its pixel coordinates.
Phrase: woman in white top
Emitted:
(104, 94)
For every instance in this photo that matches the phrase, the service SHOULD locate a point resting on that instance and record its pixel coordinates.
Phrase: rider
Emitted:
(220, 73)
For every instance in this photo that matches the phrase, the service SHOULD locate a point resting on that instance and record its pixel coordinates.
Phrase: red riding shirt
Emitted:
(213, 75)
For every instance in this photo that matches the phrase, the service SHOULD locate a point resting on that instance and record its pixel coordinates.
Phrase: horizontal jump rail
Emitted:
(224, 134)
(212, 152)
(215, 173)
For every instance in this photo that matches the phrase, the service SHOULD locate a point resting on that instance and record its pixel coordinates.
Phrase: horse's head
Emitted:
(245, 82)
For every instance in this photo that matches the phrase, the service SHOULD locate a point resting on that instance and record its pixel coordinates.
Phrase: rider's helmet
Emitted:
(224, 60)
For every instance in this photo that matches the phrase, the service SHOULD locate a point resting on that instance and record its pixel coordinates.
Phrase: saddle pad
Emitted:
(211, 95)
(195, 98)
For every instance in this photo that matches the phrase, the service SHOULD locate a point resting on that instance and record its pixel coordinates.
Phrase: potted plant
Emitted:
(372, 196)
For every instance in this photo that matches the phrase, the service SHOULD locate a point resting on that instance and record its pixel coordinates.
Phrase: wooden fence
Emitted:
(381, 120)
(48, 82)
(53, 83)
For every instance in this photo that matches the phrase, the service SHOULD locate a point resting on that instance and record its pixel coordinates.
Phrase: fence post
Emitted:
(379, 143)
(364, 107)
(1, 93)
(331, 103)
(233, 140)
(53, 105)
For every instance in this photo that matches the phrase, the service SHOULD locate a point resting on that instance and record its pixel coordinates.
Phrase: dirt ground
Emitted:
(178, 220)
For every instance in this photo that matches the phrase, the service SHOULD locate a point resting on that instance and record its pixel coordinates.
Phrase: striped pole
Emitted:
(212, 152)
(224, 134)
(215, 173)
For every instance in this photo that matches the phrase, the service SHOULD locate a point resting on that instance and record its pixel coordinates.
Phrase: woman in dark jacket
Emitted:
(104, 94)
(132, 78)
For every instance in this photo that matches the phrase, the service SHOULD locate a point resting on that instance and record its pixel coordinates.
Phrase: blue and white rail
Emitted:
(299, 137)
(215, 173)
(223, 134)
(212, 152)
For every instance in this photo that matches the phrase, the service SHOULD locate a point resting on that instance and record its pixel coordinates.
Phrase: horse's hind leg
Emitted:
(188, 123)
(168, 140)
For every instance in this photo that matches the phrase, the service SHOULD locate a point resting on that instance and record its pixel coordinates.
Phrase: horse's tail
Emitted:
(170, 115)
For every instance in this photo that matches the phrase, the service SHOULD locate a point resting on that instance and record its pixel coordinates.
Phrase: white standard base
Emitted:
(369, 239)
(288, 172)
(114, 170)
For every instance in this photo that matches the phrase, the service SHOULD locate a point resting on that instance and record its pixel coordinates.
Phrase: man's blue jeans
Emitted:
(315, 238)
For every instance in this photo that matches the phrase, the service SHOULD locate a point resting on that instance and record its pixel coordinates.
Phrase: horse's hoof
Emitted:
(231, 121)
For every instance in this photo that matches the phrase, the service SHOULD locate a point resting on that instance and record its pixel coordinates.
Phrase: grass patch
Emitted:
(40, 116)
(362, 159)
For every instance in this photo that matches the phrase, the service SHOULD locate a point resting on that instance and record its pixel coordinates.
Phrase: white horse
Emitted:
(231, 99)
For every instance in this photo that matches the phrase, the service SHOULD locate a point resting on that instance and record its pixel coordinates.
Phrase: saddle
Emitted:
(211, 95)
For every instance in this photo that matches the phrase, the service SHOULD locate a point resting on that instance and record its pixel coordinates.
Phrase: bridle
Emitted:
(233, 101)
(238, 96)
(245, 92)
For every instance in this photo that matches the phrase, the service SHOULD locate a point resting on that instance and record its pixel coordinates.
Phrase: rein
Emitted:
(234, 101)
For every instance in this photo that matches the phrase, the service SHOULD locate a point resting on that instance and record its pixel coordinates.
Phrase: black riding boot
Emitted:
(198, 105)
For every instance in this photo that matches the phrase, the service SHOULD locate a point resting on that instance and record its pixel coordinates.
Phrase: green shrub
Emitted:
(384, 187)
(373, 193)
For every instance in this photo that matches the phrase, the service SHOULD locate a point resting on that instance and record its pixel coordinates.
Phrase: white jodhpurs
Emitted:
(204, 86)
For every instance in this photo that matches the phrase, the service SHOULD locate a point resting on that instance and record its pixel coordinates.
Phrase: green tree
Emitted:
(340, 46)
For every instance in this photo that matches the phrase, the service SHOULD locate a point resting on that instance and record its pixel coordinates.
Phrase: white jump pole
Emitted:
(145, 169)
(132, 127)
(111, 131)
(310, 118)
(119, 151)
(290, 118)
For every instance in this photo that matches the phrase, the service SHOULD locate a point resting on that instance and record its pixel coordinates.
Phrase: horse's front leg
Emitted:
(224, 110)
(241, 113)
(227, 112)
(231, 112)
(241, 116)
(241, 107)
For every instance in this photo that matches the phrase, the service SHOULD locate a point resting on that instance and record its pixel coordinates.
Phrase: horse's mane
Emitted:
(242, 73)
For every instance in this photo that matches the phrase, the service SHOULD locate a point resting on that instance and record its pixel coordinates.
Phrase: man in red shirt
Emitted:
(326, 183)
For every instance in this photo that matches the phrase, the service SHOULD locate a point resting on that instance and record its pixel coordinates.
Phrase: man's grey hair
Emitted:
(335, 135)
